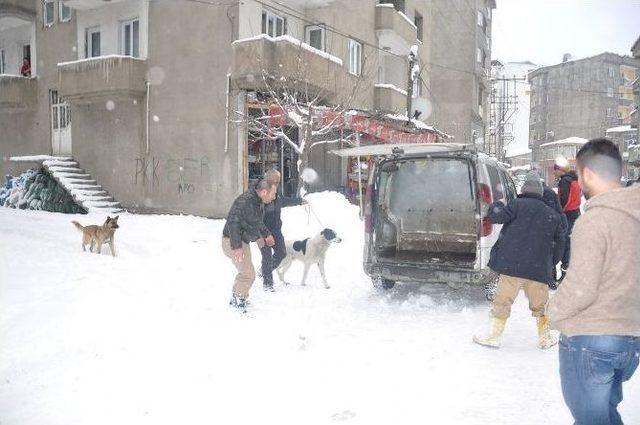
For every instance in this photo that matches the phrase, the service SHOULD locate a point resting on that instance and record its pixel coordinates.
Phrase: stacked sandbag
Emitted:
(38, 190)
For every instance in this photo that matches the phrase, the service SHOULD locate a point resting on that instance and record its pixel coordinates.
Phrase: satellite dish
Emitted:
(422, 108)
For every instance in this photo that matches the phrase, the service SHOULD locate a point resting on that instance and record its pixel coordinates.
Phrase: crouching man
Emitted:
(530, 243)
(245, 225)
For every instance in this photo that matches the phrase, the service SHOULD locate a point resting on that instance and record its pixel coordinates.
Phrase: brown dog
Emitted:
(98, 234)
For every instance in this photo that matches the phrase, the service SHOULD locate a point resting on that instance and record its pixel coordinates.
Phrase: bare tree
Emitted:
(293, 99)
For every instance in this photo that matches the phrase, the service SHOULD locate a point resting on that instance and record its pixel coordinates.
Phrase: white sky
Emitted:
(541, 31)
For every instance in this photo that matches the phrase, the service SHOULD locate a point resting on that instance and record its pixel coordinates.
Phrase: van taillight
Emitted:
(487, 226)
(485, 194)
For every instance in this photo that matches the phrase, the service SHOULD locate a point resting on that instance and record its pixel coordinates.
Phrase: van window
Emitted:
(497, 189)
(507, 183)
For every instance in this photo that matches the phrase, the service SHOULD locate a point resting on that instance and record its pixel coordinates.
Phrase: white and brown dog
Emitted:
(309, 251)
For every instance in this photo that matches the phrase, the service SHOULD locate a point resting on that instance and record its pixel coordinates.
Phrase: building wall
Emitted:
(29, 133)
(456, 77)
(579, 98)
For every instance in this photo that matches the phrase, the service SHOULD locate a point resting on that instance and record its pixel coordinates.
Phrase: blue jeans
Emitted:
(592, 370)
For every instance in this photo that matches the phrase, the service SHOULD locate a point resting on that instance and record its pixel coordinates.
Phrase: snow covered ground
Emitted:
(148, 338)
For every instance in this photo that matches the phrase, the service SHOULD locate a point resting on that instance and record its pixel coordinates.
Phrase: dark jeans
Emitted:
(592, 370)
(271, 257)
(571, 219)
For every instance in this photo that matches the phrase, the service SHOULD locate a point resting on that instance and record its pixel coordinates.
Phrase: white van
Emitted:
(425, 213)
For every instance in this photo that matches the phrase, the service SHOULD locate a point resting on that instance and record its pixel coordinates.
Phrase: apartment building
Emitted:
(144, 93)
(580, 98)
(460, 34)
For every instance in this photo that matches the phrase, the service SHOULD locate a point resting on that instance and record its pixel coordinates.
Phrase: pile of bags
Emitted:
(37, 190)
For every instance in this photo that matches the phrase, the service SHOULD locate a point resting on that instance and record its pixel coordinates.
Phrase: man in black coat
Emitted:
(551, 199)
(530, 242)
(272, 255)
(570, 199)
(245, 225)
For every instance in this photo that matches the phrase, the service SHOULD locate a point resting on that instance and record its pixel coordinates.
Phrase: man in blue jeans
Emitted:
(597, 308)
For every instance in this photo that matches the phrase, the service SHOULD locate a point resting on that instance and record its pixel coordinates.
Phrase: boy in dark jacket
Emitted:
(530, 242)
(272, 255)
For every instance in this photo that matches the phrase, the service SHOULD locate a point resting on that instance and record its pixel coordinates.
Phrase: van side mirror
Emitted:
(389, 167)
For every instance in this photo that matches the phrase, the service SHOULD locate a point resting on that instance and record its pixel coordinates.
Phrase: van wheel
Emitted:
(382, 283)
(388, 283)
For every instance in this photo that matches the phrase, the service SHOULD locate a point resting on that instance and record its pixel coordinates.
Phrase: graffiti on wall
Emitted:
(186, 175)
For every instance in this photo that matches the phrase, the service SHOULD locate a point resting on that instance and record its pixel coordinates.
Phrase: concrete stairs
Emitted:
(84, 190)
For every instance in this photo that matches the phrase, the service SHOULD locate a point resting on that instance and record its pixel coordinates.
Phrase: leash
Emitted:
(310, 209)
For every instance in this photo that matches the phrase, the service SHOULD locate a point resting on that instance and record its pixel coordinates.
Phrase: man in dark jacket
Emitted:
(570, 199)
(530, 242)
(245, 225)
(551, 199)
(272, 255)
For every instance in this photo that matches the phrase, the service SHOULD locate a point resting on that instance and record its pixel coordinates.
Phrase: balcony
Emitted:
(285, 61)
(89, 4)
(389, 98)
(24, 10)
(93, 80)
(394, 29)
(17, 94)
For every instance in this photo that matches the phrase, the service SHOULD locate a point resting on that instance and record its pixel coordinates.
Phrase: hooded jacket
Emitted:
(570, 193)
(601, 293)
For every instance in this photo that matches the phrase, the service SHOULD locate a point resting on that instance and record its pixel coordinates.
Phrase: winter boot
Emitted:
(267, 283)
(545, 339)
(494, 337)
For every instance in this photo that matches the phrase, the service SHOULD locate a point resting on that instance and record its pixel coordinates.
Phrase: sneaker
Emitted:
(242, 304)
(269, 288)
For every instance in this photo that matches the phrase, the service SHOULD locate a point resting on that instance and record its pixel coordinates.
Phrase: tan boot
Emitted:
(493, 338)
(545, 339)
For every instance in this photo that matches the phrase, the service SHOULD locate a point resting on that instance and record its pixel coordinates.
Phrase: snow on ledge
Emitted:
(39, 158)
(98, 59)
(295, 42)
(389, 5)
(408, 20)
(620, 129)
(392, 87)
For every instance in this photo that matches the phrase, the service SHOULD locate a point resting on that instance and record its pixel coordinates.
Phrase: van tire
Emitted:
(388, 283)
(382, 283)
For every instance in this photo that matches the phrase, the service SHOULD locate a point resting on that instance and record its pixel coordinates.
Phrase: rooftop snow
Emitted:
(295, 42)
(567, 141)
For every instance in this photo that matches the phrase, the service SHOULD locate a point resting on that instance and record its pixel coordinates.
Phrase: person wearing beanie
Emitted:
(570, 199)
(530, 242)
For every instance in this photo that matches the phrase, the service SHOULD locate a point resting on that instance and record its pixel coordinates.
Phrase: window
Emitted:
(314, 36)
(48, 15)
(26, 52)
(610, 91)
(2, 63)
(273, 25)
(65, 12)
(418, 20)
(609, 112)
(481, 101)
(129, 36)
(355, 57)
(92, 42)
(417, 87)
(480, 19)
(612, 72)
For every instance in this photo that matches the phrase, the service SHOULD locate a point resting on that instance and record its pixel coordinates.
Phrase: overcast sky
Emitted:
(541, 31)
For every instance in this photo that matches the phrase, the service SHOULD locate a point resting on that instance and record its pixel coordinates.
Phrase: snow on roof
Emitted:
(418, 124)
(295, 42)
(568, 141)
(406, 18)
(98, 59)
(392, 87)
(519, 152)
(620, 129)
(520, 168)
(39, 158)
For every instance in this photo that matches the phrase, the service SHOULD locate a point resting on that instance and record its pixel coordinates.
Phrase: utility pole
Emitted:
(504, 104)
(414, 71)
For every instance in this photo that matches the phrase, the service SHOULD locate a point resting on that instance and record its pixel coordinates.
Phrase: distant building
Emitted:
(546, 154)
(635, 113)
(581, 98)
(625, 136)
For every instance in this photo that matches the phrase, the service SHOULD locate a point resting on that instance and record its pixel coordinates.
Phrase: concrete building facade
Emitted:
(142, 92)
(580, 98)
(460, 65)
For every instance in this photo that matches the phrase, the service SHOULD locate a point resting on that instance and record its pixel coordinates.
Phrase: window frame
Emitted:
(323, 34)
(355, 57)
(122, 37)
(88, 45)
(62, 7)
(3, 64)
(45, 15)
(418, 21)
(266, 15)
